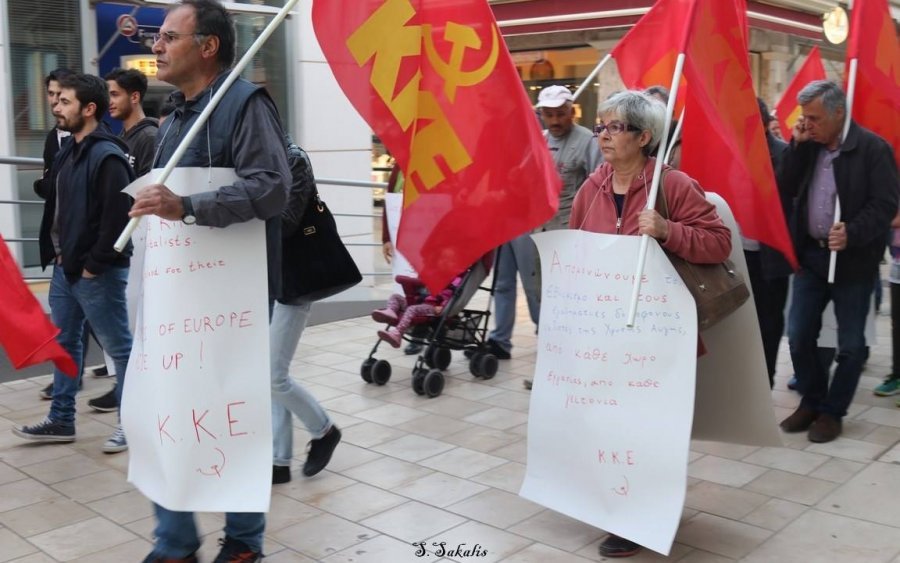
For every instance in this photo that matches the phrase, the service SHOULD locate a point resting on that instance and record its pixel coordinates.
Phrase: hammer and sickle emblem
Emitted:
(462, 37)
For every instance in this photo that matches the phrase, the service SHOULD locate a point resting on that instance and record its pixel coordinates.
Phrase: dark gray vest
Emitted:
(213, 147)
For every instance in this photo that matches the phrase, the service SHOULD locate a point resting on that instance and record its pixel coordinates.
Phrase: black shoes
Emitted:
(281, 474)
(105, 403)
(616, 546)
(156, 559)
(101, 371)
(236, 551)
(320, 451)
(497, 350)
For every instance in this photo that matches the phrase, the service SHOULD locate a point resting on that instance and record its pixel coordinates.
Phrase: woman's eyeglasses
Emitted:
(614, 127)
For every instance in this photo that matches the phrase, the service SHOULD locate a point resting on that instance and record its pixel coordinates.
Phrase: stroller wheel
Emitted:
(440, 358)
(428, 355)
(366, 369)
(381, 372)
(487, 365)
(418, 381)
(475, 364)
(433, 383)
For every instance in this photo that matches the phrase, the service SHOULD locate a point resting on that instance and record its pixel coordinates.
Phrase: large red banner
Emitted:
(26, 333)
(873, 43)
(788, 110)
(436, 83)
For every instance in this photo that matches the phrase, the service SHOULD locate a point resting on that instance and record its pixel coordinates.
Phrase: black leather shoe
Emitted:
(320, 451)
(616, 546)
(281, 474)
(497, 351)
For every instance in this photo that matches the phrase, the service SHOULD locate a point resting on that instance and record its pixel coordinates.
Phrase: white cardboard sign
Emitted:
(611, 408)
(196, 405)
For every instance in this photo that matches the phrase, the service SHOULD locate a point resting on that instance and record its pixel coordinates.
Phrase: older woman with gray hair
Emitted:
(613, 200)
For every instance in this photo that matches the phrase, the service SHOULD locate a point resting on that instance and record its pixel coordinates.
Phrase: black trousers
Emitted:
(770, 297)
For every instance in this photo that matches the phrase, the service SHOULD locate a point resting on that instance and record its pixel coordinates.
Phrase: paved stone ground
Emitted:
(449, 469)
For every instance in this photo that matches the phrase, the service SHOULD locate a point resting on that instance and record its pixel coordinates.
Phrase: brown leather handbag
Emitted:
(718, 289)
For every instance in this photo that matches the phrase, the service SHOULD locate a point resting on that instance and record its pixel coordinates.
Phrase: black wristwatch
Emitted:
(188, 217)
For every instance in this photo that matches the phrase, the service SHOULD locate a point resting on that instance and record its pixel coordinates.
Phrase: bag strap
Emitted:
(661, 206)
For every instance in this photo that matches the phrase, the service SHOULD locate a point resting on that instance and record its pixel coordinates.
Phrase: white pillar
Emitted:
(9, 214)
(337, 139)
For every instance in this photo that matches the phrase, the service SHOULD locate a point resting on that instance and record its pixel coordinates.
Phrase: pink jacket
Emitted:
(696, 233)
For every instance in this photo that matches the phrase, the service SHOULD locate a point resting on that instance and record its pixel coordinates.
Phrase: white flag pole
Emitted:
(591, 76)
(675, 137)
(851, 90)
(122, 241)
(654, 189)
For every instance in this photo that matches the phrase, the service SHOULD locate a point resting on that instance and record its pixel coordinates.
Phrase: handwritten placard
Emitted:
(196, 406)
(611, 408)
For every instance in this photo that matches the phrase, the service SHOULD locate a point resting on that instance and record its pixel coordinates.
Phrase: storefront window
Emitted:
(567, 67)
(42, 36)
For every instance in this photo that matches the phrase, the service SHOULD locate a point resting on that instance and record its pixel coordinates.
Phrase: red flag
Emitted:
(26, 333)
(873, 42)
(647, 54)
(435, 81)
(724, 145)
(787, 109)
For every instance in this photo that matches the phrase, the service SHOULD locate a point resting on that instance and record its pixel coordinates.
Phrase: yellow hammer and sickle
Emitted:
(462, 37)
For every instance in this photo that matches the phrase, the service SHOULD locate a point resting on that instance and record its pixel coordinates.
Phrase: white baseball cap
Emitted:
(554, 96)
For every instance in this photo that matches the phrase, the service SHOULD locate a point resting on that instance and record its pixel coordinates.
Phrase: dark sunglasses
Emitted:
(614, 127)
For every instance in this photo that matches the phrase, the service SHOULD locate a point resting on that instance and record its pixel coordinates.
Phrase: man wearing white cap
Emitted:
(576, 155)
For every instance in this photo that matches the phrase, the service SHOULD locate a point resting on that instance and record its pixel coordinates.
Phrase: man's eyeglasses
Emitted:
(170, 36)
(614, 127)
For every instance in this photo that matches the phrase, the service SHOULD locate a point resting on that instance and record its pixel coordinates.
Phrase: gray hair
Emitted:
(832, 95)
(639, 110)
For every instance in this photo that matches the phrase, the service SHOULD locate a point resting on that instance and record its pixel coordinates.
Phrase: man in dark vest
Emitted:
(194, 49)
(84, 212)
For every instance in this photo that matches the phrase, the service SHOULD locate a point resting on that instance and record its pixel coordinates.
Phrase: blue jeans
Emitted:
(518, 255)
(177, 538)
(285, 328)
(101, 302)
(811, 294)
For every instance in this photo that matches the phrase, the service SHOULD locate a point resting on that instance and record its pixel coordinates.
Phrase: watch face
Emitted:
(188, 219)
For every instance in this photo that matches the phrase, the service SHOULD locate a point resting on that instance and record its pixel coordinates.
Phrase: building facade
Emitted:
(552, 42)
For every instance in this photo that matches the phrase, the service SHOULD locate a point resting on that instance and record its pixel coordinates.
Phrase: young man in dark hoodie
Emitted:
(127, 89)
(84, 214)
(126, 94)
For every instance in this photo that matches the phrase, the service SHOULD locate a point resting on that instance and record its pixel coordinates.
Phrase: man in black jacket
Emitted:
(860, 172)
(126, 94)
(84, 214)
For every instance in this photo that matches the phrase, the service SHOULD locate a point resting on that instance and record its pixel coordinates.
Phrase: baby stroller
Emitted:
(455, 328)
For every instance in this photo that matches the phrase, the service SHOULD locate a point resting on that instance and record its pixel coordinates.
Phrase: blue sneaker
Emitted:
(47, 431)
(793, 383)
(891, 386)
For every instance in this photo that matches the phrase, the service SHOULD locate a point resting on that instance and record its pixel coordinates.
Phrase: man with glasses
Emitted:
(194, 50)
(576, 155)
